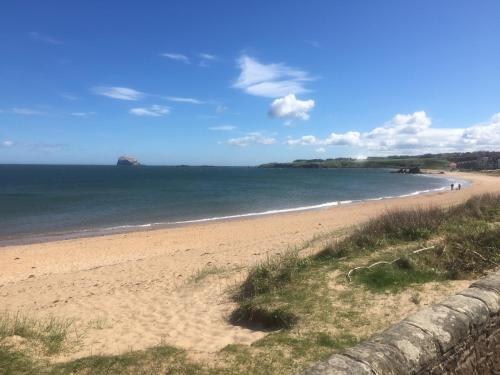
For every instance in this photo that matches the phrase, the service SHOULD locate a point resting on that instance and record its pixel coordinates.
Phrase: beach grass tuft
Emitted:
(50, 334)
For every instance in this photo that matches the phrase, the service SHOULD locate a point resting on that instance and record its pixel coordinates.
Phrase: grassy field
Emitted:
(309, 305)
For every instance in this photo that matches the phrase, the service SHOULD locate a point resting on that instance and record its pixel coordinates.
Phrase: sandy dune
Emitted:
(134, 290)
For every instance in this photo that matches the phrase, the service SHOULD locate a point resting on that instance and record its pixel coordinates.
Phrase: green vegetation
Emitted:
(306, 302)
(466, 237)
(371, 162)
(49, 335)
(395, 277)
(205, 272)
(426, 161)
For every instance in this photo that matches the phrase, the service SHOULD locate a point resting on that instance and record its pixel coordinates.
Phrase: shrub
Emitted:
(471, 248)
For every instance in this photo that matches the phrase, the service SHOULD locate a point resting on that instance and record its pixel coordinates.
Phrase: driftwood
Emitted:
(385, 262)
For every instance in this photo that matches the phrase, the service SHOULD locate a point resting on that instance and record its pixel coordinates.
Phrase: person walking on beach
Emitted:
(452, 186)
(459, 186)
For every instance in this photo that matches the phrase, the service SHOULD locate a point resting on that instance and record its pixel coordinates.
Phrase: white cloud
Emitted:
(152, 111)
(269, 80)
(44, 38)
(177, 57)
(223, 127)
(305, 140)
(413, 134)
(184, 100)
(7, 143)
(251, 138)
(82, 114)
(206, 59)
(207, 56)
(290, 107)
(116, 92)
(349, 138)
(320, 150)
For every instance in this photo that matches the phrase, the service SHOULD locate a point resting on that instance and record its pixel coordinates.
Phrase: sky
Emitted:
(232, 82)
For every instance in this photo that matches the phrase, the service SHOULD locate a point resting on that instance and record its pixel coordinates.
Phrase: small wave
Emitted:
(127, 227)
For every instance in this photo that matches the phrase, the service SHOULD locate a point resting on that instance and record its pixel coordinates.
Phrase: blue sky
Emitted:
(240, 83)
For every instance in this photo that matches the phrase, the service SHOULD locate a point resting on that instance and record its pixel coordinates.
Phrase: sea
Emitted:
(46, 202)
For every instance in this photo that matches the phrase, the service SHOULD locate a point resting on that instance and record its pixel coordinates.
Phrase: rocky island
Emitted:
(127, 161)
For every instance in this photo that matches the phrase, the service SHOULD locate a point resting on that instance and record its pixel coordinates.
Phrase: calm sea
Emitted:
(45, 201)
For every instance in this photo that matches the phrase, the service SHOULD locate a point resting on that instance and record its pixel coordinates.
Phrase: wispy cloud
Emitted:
(82, 114)
(206, 59)
(44, 38)
(270, 80)
(223, 128)
(184, 100)
(116, 92)
(177, 57)
(26, 111)
(413, 134)
(207, 56)
(7, 143)
(152, 111)
(251, 138)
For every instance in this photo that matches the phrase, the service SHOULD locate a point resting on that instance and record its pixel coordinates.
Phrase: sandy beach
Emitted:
(135, 290)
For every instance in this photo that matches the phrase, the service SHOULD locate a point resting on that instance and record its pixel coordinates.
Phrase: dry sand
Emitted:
(135, 290)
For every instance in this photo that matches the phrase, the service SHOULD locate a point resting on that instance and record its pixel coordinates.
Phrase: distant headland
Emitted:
(478, 160)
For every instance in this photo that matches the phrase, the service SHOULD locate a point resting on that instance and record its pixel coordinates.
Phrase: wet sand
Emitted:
(135, 290)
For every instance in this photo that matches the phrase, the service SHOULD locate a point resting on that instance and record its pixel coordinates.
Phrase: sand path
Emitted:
(135, 290)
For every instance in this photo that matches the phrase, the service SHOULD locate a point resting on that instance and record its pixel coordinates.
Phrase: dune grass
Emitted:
(292, 296)
(395, 278)
(467, 238)
(49, 334)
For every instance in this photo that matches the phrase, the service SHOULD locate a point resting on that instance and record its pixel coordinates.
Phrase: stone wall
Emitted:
(460, 335)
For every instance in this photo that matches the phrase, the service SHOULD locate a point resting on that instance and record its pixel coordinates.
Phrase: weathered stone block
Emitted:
(382, 359)
(416, 347)
(490, 298)
(447, 326)
(476, 310)
(492, 282)
(338, 365)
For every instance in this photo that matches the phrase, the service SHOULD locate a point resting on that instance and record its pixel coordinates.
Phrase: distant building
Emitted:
(481, 163)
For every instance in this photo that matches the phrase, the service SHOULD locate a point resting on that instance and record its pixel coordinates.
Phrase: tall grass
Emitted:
(50, 333)
(469, 238)
(273, 273)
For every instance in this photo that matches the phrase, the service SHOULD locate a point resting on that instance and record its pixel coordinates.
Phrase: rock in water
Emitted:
(127, 160)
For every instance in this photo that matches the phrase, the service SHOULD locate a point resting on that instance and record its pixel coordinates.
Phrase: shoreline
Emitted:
(31, 239)
(140, 283)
